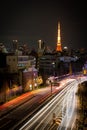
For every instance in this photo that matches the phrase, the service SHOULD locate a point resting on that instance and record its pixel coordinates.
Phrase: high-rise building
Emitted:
(59, 47)
(41, 47)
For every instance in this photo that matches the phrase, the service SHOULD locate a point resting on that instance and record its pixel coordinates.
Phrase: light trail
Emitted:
(56, 108)
(68, 121)
(45, 109)
(57, 105)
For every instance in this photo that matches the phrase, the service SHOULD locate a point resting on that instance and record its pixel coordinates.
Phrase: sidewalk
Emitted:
(12, 104)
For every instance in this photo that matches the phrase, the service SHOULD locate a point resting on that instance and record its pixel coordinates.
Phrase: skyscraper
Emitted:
(41, 47)
(59, 47)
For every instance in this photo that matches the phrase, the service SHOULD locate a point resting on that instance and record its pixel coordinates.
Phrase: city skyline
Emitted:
(33, 20)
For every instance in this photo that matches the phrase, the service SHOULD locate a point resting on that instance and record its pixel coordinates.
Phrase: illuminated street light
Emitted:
(51, 80)
(51, 86)
(53, 65)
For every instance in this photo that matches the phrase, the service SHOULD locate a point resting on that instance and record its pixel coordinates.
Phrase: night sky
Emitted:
(31, 20)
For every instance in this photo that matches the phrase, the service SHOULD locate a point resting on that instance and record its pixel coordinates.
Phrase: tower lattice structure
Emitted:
(59, 46)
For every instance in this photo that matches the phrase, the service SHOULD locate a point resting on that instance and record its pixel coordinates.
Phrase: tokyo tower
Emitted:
(59, 47)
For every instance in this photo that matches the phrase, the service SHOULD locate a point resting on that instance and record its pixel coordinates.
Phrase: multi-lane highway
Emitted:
(58, 113)
(17, 111)
(43, 120)
(32, 113)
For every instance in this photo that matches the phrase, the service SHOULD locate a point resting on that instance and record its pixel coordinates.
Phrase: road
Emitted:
(17, 111)
(43, 120)
(61, 107)
(16, 114)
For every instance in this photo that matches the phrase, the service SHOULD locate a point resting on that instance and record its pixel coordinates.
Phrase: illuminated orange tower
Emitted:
(59, 47)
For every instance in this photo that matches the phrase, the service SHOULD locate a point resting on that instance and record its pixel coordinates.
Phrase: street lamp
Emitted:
(51, 79)
(51, 86)
(53, 65)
